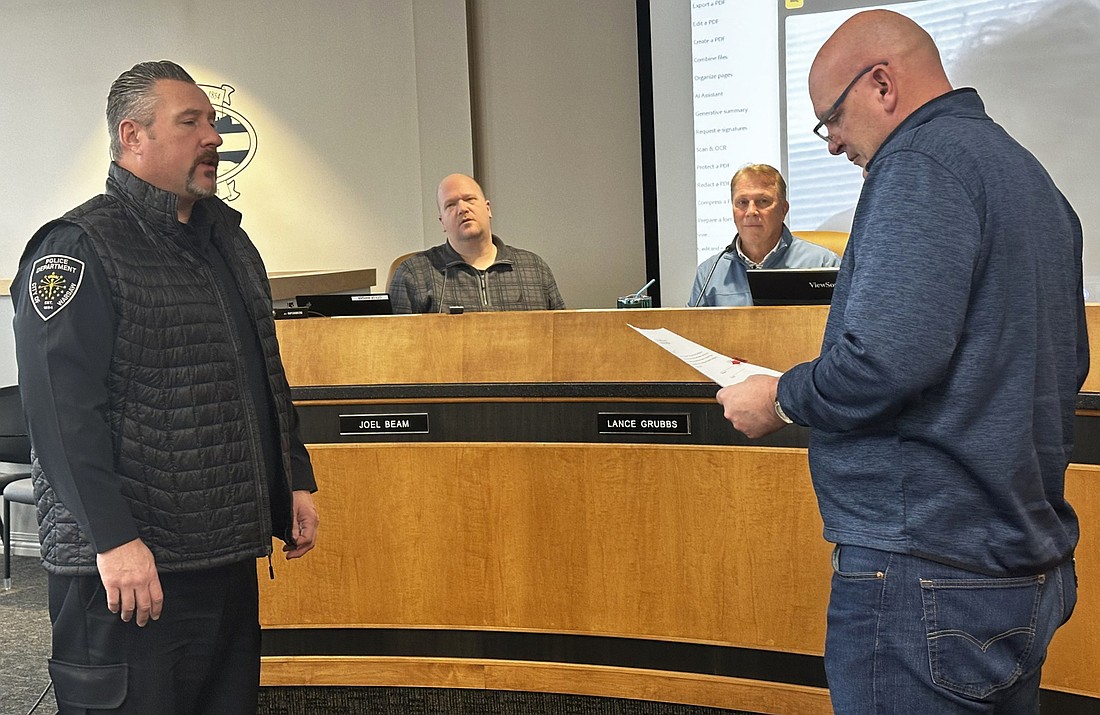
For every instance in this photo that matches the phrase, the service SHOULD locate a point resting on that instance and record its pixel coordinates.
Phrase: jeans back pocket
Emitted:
(981, 631)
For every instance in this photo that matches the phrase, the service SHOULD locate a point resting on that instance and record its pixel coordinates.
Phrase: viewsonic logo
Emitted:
(238, 140)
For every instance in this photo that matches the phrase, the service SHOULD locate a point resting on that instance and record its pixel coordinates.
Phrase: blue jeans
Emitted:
(907, 635)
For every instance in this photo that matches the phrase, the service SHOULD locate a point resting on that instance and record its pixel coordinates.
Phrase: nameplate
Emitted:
(645, 423)
(288, 313)
(395, 423)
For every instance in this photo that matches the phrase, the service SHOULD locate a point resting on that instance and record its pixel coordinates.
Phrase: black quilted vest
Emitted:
(185, 441)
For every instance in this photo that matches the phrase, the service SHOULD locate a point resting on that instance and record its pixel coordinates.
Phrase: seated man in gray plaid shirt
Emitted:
(473, 269)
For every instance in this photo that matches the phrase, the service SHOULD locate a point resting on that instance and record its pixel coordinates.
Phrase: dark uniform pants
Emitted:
(202, 657)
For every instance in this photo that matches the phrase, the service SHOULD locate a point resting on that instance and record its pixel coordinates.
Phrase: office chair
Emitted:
(15, 464)
(21, 491)
(397, 262)
(835, 241)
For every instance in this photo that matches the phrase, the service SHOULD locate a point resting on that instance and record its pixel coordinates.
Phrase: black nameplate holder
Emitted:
(643, 423)
(287, 313)
(389, 423)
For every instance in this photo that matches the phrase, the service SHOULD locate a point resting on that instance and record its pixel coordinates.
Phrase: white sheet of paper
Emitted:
(720, 368)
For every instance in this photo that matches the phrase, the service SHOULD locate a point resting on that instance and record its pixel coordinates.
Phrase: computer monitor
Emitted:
(331, 305)
(792, 286)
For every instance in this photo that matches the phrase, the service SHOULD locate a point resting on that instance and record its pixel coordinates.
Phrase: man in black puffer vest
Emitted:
(166, 449)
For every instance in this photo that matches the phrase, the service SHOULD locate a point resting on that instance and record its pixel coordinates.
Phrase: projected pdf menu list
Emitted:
(734, 82)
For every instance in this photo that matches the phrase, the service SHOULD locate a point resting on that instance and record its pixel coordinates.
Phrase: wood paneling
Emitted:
(657, 685)
(554, 346)
(542, 346)
(1073, 664)
(693, 544)
(704, 544)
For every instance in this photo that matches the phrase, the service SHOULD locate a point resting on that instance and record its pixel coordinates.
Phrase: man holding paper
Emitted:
(941, 407)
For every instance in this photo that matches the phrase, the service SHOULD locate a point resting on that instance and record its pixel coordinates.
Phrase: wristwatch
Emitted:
(781, 414)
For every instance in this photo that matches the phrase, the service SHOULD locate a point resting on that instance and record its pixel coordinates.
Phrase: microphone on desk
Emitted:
(703, 290)
(443, 291)
(451, 309)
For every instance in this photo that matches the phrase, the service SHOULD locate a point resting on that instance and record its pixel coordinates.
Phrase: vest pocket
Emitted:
(980, 631)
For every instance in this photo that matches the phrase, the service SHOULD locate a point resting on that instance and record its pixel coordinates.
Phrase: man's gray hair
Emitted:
(766, 172)
(131, 96)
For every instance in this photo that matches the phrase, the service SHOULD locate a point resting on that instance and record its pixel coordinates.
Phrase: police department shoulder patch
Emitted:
(55, 279)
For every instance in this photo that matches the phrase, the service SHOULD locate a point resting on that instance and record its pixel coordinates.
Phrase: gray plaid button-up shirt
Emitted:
(436, 279)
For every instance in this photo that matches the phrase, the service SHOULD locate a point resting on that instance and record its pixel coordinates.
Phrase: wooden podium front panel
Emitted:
(689, 544)
(717, 545)
(710, 691)
(714, 545)
(696, 545)
(538, 346)
(601, 347)
(1073, 662)
(554, 346)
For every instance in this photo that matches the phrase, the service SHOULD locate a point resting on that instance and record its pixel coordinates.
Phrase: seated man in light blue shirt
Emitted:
(759, 196)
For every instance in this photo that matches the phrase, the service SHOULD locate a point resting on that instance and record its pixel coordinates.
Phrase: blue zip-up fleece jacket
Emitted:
(941, 407)
(729, 285)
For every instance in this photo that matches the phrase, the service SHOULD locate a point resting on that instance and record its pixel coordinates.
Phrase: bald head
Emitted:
(457, 182)
(465, 213)
(905, 73)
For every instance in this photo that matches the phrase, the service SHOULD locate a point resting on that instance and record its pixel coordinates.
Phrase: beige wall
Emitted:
(360, 107)
(334, 95)
(557, 139)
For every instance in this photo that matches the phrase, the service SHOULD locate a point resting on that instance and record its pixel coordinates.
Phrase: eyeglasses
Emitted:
(831, 114)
